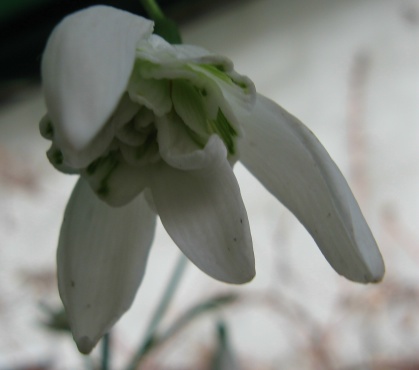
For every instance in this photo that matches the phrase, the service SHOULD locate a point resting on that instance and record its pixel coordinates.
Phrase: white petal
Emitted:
(234, 90)
(158, 51)
(85, 70)
(114, 181)
(292, 164)
(152, 93)
(179, 150)
(204, 214)
(207, 70)
(102, 255)
(188, 104)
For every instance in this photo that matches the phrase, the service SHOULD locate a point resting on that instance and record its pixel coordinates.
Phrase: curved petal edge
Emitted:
(204, 214)
(292, 164)
(85, 70)
(101, 259)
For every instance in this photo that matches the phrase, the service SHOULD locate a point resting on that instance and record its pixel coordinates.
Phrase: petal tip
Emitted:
(378, 276)
(374, 274)
(85, 345)
(246, 275)
(248, 278)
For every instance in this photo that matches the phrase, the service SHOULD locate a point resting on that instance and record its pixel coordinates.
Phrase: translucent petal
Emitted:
(158, 51)
(204, 214)
(114, 181)
(237, 91)
(152, 93)
(102, 255)
(179, 149)
(188, 104)
(85, 70)
(292, 164)
(205, 69)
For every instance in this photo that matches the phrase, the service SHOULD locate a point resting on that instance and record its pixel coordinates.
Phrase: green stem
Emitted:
(163, 26)
(153, 9)
(106, 352)
(167, 297)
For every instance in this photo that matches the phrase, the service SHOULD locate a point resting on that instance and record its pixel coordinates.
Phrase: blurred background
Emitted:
(349, 69)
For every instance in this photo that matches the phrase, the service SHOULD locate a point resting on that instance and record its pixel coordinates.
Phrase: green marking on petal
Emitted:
(225, 130)
(147, 145)
(55, 156)
(91, 168)
(189, 106)
(46, 128)
(243, 85)
(204, 92)
(197, 139)
(99, 172)
(217, 71)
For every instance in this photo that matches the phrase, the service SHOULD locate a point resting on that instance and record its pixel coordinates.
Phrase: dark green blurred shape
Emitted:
(10, 8)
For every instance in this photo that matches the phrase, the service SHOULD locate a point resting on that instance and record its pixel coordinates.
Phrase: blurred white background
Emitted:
(349, 69)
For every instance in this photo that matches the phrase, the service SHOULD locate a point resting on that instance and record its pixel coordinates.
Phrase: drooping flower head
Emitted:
(154, 128)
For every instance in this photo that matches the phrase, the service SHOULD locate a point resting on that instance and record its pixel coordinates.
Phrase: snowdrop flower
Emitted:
(155, 129)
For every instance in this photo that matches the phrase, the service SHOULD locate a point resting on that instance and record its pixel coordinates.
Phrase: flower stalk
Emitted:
(164, 26)
(153, 9)
(106, 352)
(160, 311)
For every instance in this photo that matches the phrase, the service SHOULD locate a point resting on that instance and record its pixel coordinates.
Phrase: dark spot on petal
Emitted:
(73, 284)
(235, 239)
(49, 130)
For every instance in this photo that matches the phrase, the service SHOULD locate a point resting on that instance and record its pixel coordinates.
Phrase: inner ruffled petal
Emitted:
(181, 149)
(114, 180)
(152, 93)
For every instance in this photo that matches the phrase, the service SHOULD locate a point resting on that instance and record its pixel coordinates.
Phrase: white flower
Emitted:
(156, 128)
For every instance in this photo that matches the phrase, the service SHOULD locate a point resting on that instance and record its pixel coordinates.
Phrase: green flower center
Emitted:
(171, 108)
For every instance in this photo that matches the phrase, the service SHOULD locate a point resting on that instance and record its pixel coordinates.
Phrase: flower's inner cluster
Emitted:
(168, 112)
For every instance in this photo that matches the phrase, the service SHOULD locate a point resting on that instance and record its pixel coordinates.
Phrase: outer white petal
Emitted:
(292, 164)
(101, 259)
(85, 70)
(154, 94)
(204, 214)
